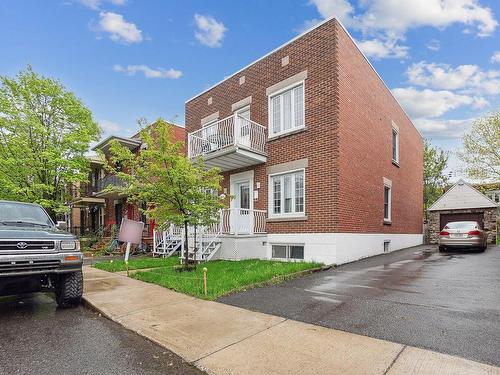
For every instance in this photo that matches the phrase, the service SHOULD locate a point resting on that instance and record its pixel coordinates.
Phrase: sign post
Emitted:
(131, 233)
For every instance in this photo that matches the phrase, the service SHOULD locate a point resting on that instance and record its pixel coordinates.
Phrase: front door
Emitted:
(241, 212)
(244, 126)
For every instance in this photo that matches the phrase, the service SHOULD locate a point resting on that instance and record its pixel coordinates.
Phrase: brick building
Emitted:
(320, 159)
(93, 208)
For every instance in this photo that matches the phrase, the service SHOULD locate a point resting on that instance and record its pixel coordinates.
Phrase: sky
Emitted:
(131, 59)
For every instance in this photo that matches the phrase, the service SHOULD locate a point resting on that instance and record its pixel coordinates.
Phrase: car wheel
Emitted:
(69, 289)
(442, 248)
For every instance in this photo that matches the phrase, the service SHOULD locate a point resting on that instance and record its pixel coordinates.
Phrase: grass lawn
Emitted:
(136, 264)
(223, 276)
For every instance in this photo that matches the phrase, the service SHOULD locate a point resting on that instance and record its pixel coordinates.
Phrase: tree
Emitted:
(435, 161)
(45, 132)
(481, 149)
(176, 190)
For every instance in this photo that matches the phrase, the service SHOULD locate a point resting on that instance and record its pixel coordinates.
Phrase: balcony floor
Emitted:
(233, 157)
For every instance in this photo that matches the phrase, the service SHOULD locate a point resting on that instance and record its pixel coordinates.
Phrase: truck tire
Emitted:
(69, 289)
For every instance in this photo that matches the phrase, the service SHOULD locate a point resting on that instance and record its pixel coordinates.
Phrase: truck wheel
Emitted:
(69, 289)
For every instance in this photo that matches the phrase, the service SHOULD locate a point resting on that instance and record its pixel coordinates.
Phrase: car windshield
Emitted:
(23, 214)
(461, 225)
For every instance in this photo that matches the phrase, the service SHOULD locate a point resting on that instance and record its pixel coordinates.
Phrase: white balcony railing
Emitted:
(231, 131)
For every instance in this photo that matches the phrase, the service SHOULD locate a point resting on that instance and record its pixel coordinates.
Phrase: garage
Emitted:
(462, 202)
(472, 216)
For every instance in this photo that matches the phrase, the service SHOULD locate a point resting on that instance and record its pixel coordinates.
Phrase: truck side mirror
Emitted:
(61, 225)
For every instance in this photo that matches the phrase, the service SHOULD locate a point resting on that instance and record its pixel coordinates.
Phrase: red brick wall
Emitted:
(366, 111)
(317, 142)
(347, 140)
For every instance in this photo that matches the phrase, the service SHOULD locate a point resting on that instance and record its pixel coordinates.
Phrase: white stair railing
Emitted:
(234, 221)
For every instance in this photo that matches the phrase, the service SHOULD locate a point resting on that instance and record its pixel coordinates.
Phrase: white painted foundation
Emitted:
(327, 248)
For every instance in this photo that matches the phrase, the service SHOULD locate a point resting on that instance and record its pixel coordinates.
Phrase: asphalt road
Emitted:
(448, 303)
(37, 338)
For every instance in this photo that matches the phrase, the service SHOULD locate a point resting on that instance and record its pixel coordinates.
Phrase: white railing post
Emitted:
(236, 130)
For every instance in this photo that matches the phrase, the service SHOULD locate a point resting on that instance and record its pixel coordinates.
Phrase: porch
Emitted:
(208, 242)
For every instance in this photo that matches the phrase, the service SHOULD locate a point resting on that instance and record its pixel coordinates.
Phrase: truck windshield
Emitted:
(13, 213)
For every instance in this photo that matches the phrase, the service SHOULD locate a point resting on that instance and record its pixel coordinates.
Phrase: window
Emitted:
(286, 110)
(287, 195)
(387, 244)
(395, 145)
(387, 203)
(288, 252)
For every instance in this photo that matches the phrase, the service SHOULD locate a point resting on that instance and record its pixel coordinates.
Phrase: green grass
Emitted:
(223, 277)
(136, 264)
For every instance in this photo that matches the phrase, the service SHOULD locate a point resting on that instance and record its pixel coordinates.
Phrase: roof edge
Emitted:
(493, 204)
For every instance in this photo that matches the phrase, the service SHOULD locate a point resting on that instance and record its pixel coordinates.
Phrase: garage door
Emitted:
(475, 216)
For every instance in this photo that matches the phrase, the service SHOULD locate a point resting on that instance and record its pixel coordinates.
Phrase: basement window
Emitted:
(387, 244)
(288, 252)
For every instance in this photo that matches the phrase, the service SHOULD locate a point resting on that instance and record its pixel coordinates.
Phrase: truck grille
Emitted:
(20, 245)
(28, 266)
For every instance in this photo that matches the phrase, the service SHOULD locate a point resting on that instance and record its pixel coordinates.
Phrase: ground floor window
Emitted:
(287, 194)
(287, 251)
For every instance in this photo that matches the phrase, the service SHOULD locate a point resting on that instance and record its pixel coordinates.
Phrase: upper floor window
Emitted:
(287, 194)
(286, 110)
(395, 145)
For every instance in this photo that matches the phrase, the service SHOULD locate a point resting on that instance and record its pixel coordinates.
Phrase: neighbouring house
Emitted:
(321, 161)
(93, 208)
(463, 202)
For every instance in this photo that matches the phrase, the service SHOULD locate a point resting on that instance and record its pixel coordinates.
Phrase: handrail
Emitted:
(233, 130)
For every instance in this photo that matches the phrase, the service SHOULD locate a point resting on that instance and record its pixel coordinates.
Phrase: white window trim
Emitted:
(395, 129)
(288, 245)
(388, 184)
(272, 135)
(270, 196)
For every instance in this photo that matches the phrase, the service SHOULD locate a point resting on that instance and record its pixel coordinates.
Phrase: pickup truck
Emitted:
(38, 256)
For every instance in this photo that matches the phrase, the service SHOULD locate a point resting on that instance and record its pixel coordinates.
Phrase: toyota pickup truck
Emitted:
(38, 256)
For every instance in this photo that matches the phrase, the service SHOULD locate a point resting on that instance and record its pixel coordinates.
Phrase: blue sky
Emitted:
(128, 59)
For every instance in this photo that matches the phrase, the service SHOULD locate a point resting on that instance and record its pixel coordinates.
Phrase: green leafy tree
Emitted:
(481, 149)
(176, 190)
(435, 162)
(45, 132)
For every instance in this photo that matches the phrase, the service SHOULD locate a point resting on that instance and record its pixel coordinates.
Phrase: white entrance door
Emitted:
(241, 213)
(244, 126)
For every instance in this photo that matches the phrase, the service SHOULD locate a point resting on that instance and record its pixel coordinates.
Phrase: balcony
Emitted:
(106, 182)
(231, 143)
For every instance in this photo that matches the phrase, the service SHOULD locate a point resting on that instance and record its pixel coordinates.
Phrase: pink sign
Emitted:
(131, 231)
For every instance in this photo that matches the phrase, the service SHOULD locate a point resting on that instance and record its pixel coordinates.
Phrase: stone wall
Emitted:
(489, 222)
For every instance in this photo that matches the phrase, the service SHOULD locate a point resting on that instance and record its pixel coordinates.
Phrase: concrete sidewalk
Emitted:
(223, 339)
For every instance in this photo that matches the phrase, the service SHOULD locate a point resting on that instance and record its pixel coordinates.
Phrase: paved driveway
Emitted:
(449, 302)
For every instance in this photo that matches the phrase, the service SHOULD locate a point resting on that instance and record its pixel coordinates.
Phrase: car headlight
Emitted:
(70, 245)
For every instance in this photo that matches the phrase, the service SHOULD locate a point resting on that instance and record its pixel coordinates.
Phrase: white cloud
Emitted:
(382, 49)
(496, 57)
(436, 128)
(210, 31)
(148, 72)
(434, 45)
(430, 103)
(109, 127)
(118, 28)
(340, 9)
(466, 78)
(387, 21)
(96, 4)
